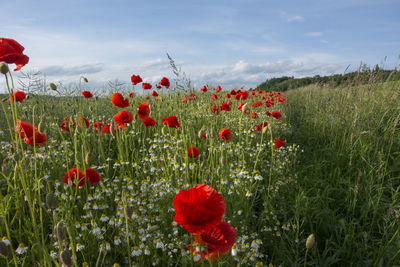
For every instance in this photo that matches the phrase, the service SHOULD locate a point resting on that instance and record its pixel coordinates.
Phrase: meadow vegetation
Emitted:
(308, 178)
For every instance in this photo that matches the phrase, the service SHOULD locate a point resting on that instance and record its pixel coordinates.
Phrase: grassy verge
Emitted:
(349, 173)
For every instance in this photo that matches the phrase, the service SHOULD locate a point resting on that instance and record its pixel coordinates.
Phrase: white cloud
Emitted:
(314, 34)
(292, 17)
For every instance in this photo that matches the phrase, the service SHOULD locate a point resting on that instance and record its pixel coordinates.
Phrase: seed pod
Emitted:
(310, 241)
(4, 250)
(37, 252)
(53, 86)
(51, 201)
(87, 158)
(4, 68)
(154, 228)
(66, 258)
(60, 231)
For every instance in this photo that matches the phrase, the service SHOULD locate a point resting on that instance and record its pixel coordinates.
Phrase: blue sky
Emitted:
(228, 43)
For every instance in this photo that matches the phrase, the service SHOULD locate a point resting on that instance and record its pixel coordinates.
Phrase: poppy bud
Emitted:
(4, 250)
(87, 158)
(37, 251)
(85, 79)
(66, 258)
(4, 68)
(51, 200)
(91, 109)
(60, 230)
(264, 129)
(153, 228)
(53, 86)
(244, 107)
(310, 241)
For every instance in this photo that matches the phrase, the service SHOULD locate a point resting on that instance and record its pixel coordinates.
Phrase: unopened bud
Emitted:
(264, 129)
(4, 250)
(53, 86)
(85, 79)
(61, 231)
(66, 258)
(51, 200)
(87, 158)
(310, 241)
(244, 107)
(154, 228)
(4, 68)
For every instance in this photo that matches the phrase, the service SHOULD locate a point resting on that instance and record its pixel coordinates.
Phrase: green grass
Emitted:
(337, 178)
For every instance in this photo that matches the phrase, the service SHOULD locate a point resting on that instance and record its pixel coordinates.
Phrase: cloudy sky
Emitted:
(220, 42)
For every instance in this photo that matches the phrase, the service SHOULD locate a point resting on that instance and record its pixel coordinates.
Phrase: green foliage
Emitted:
(363, 76)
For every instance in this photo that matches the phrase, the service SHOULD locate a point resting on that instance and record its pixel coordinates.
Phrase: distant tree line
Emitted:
(364, 76)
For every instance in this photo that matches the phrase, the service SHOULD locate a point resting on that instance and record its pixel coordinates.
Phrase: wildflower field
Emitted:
(201, 176)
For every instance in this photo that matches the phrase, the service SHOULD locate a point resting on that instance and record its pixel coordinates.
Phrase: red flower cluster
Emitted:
(18, 96)
(164, 82)
(225, 134)
(135, 79)
(87, 94)
(119, 101)
(171, 121)
(78, 177)
(30, 134)
(11, 53)
(146, 86)
(200, 210)
(203, 89)
(122, 117)
(193, 152)
(279, 143)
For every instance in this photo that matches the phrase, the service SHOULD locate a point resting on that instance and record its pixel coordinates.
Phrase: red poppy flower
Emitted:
(67, 124)
(87, 94)
(136, 79)
(92, 176)
(158, 86)
(146, 86)
(122, 117)
(171, 121)
(203, 89)
(215, 110)
(202, 135)
(244, 95)
(214, 97)
(193, 152)
(240, 106)
(164, 82)
(143, 111)
(107, 128)
(154, 93)
(281, 99)
(119, 101)
(268, 113)
(99, 126)
(260, 126)
(218, 89)
(76, 176)
(218, 241)
(18, 96)
(276, 114)
(225, 134)
(279, 143)
(11, 53)
(256, 104)
(30, 134)
(254, 115)
(131, 95)
(83, 121)
(199, 209)
(233, 92)
(149, 122)
(226, 106)
(227, 95)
